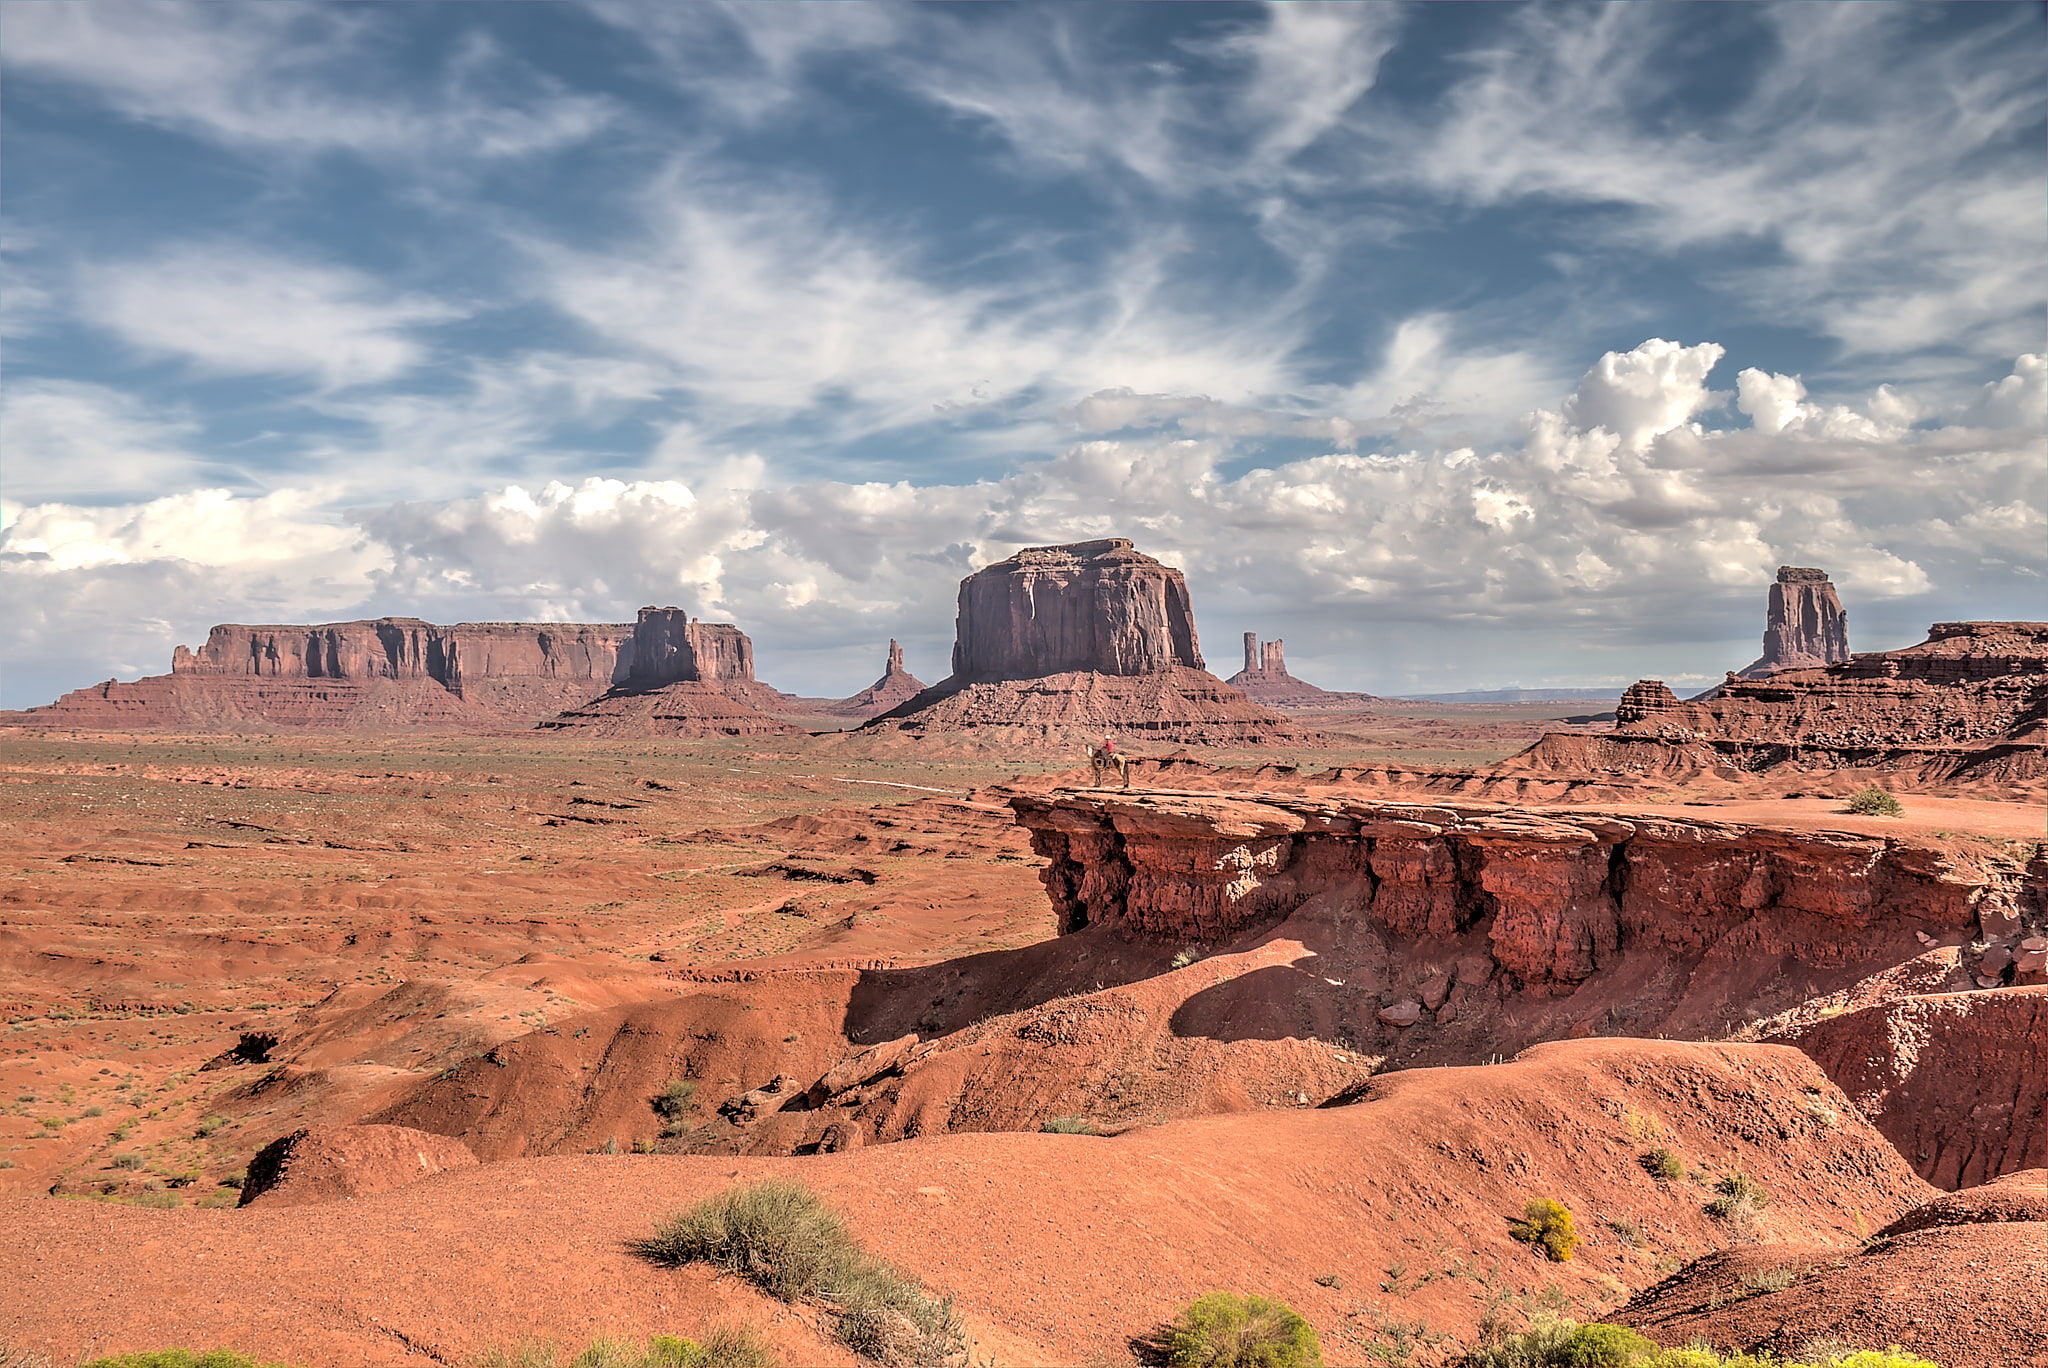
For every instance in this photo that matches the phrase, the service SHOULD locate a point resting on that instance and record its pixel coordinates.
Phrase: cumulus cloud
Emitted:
(232, 309)
(1614, 522)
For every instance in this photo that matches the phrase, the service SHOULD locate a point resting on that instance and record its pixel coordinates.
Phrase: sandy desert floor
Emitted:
(169, 900)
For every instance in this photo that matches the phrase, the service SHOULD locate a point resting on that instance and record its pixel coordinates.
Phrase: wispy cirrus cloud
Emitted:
(232, 309)
(295, 78)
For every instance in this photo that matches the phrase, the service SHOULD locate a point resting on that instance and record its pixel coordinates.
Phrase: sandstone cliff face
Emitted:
(386, 672)
(1059, 643)
(1806, 627)
(688, 679)
(1095, 606)
(1441, 932)
(1264, 679)
(1968, 705)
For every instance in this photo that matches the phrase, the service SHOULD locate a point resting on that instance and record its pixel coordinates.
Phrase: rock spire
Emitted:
(1806, 628)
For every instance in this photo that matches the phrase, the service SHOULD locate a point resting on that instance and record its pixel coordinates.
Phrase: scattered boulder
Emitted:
(1403, 1013)
(335, 1163)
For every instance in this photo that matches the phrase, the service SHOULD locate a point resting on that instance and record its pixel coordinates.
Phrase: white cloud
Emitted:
(1581, 538)
(292, 77)
(66, 440)
(233, 309)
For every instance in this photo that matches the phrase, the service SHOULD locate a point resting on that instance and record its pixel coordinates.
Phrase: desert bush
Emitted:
(723, 1347)
(1228, 1330)
(783, 1238)
(1068, 1125)
(1738, 1200)
(1771, 1279)
(128, 1161)
(1599, 1345)
(162, 1201)
(1662, 1163)
(22, 1358)
(181, 1358)
(1875, 802)
(1547, 1223)
(672, 1103)
(1629, 1232)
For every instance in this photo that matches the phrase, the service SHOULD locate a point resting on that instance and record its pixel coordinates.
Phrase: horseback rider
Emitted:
(1107, 758)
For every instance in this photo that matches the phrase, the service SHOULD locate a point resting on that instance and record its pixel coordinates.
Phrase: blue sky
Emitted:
(1460, 345)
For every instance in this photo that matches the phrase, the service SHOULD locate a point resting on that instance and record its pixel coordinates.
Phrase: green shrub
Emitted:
(672, 1103)
(128, 1161)
(163, 1201)
(181, 1358)
(782, 1237)
(1875, 802)
(1227, 1330)
(1662, 1163)
(723, 1347)
(1068, 1125)
(1599, 1345)
(1547, 1223)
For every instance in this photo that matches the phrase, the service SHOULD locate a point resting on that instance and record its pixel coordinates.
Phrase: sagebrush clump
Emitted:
(783, 1238)
(723, 1346)
(1231, 1330)
(1662, 1163)
(1875, 802)
(1553, 1341)
(1548, 1223)
(181, 1358)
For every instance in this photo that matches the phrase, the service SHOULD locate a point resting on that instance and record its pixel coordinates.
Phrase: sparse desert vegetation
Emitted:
(1875, 802)
(1547, 1224)
(1234, 1330)
(722, 1346)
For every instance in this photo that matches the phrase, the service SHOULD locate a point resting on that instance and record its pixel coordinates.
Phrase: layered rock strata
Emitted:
(1806, 627)
(1968, 705)
(1264, 679)
(688, 679)
(1461, 927)
(1061, 642)
(383, 672)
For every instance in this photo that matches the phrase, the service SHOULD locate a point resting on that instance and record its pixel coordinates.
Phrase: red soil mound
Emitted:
(335, 1163)
(1059, 1247)
(2021, 1196)
(1965, 1296)
(1954, 1080)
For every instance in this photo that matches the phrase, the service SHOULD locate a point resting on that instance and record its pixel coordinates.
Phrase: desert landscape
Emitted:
(1246, 684)
(371, 989)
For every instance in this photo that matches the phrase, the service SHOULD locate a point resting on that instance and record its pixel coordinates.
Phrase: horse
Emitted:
(1102, 762)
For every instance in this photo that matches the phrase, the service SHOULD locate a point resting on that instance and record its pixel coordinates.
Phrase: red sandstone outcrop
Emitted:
(1953, 1079)
(1806, 627)
(1967, 706)
(334, 1163)
(1066, 641)
(688, 678)
(896, 687)
(1528, 925)
(386, 672)
(1264, 679)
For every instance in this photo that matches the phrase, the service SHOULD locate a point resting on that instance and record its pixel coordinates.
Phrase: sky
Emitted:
(1462, 346)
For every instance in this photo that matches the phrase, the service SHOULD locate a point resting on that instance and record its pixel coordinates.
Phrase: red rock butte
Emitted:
(1088, 638)
(1806, 627)
(378, 673)
(1968, 706)
(687, 679)
(1264, 679)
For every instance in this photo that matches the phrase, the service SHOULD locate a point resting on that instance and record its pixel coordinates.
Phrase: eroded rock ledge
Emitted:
(1556, 895)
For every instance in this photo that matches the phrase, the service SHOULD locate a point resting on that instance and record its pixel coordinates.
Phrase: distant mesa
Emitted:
(1264, 679)
(1806, 628)
(1091, 637)
(365, 675)
(687, 679)
(1967, 705)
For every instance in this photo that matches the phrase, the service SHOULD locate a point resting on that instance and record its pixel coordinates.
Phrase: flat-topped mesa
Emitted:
(369, 674)
(688, 679)
(1093, 637)
(1806, 627)
(1096, 606)
(1264, 679)
(1968, 705)
(670, 646)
